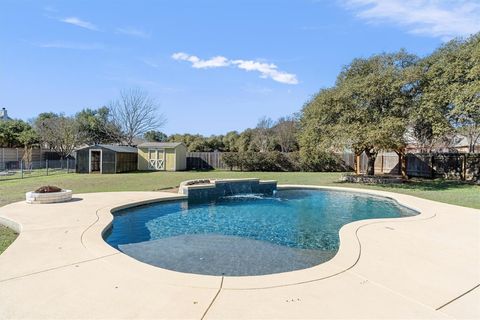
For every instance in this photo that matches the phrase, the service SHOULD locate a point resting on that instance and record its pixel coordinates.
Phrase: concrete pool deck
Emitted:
(421, 267)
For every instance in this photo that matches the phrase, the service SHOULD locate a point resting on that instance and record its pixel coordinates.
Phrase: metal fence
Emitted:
(20, 169)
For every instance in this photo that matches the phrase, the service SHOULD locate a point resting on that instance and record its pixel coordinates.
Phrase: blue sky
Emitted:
(212, 66)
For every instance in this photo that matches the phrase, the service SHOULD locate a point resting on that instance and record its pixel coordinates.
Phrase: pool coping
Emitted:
(348, 254)
(92, 218)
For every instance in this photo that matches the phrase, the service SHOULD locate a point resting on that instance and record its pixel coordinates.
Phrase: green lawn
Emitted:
(439, 190)
(6, 237)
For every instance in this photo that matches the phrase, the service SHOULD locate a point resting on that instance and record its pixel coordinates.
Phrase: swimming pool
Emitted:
(246, 234)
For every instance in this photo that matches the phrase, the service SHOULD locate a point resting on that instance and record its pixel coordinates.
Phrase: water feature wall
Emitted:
(211, 189)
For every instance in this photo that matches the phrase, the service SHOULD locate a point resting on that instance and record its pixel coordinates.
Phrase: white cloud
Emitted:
(445, 19)
(134, 32)
(266, 70)
(71, 45)
(80, 23)
(198, 63)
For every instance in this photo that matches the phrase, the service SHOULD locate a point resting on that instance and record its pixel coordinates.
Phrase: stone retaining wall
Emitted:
(228, 187)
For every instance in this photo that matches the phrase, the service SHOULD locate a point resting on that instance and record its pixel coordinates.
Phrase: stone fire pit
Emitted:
(48, 194)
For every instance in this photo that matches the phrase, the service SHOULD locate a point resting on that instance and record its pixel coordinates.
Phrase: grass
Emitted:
(17, 174)
(452, 192)
(6, 237)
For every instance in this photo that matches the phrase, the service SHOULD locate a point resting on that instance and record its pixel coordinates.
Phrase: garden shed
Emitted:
(105, 158)
(169, 156)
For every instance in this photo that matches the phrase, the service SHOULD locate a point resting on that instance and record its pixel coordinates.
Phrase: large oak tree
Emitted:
(367, 111)
(449, 93)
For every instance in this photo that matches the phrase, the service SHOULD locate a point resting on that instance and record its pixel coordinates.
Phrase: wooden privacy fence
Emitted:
(454, 166)
(442, 165)
(10, 157)
(385, 162)
(420, 165)
(205, 161)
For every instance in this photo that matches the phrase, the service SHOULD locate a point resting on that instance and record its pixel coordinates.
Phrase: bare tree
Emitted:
(60, 133)
(285, 131)
(28, 138)
(135, 113)
(262, 135)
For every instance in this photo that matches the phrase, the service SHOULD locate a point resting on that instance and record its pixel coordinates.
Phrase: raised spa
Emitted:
(246, 234)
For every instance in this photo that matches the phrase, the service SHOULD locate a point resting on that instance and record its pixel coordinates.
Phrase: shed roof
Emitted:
(125, 149)
(121, 149)
(160, 144)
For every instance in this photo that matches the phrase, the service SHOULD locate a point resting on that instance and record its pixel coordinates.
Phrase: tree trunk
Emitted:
(27, 157)
(356, 163)
(371, 165)
(371, 157)
(402, 163)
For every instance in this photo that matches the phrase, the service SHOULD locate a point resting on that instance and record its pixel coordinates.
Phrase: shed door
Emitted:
(156, 159)
(95, 161)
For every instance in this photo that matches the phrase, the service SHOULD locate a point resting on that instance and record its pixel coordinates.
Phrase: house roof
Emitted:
(122, 149)
(160, 144)
(460, 141)
(4, 114)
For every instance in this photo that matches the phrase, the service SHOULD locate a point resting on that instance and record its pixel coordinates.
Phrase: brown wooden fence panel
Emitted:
(419, 165)
(453, 166)
(10, 157)
(205, 161)
(213, 160)
(445, 165)
(386, 163)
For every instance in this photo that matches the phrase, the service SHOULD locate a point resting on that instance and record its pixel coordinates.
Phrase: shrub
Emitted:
(231, 159)
(280, 161)
(263, 161)
(322, 161)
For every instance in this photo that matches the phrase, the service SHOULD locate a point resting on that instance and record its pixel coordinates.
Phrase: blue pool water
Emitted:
(245, 234)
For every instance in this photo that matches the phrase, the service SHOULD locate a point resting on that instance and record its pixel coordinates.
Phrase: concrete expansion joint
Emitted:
(342, 271)
(213, 300)
(349, 270)
(58, 267)
(460, 296)
(366, 280)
